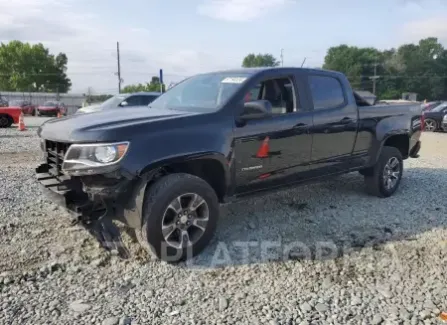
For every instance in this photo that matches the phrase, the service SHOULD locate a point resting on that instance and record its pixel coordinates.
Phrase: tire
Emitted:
(430, 125)
(158, 211)
(33, 113)
(375, 183)
(366, 171)
(5, 121)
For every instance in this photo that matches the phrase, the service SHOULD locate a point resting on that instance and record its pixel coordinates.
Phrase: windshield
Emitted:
(50, 104)
(113, 101)
(202, 93)
(439, 107)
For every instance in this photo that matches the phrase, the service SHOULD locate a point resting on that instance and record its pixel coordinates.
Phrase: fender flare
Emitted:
(376, 154)
(133, 209)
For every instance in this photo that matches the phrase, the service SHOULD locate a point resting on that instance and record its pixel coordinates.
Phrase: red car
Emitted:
(26, 106)
(9, 116)
(51, 108)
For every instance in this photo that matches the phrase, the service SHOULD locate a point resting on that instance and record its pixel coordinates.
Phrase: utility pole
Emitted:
(282, 57)
(119, 66)
(375, 77)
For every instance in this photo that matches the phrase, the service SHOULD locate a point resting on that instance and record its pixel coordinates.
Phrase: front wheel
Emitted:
(386, 174)
(180, 217)
(5, 121)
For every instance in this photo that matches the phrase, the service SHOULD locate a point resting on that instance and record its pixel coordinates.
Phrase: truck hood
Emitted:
(106, 125)
(89, 109)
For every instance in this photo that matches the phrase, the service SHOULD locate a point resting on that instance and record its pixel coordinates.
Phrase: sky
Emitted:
(185, 37)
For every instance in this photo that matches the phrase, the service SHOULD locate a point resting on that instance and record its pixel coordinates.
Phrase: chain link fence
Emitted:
(71, 101)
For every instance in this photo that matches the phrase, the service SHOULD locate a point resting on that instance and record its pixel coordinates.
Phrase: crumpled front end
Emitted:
(94, 201)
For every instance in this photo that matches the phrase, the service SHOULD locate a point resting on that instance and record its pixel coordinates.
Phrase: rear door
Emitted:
(268, 151)
(335, 120)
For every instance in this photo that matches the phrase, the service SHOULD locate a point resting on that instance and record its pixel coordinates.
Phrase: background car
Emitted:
(122, 100)
(428, 106)
(51, 108)
(25, 105)
(434, 117)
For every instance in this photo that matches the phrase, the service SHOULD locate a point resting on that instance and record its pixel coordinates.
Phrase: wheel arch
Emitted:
(400, 141)
(202, 165)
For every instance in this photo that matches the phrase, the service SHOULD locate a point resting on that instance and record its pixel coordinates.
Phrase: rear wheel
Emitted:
(179, 217)
(5, 121)
(33, 112)
(430, 125)
(386, 174)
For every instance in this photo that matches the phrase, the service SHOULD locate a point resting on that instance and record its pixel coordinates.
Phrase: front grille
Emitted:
(55, 153)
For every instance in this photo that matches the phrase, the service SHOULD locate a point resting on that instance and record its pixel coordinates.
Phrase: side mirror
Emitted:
(256, 109)
(124, 103)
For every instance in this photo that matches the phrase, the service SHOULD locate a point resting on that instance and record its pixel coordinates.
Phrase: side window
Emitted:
(326, 92)
(278, 91)
(146, 100)
(253, 94)
(133, 100)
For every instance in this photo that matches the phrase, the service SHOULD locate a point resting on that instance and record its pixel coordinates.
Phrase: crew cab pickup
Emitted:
(164, 169)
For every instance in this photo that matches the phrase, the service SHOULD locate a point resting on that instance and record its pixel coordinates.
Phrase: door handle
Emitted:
(346, 120)
(300, 125)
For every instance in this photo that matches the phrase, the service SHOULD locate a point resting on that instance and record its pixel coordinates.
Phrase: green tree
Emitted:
(419, 68)
(92, 99)
(259, 60)
(26, 67)
(154, 85)
(357, 63)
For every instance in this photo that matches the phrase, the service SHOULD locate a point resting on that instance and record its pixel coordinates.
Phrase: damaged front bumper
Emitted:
(93, 202)
(414, 153)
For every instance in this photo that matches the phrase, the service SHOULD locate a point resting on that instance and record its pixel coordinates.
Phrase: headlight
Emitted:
(82, 159)
(445, 118)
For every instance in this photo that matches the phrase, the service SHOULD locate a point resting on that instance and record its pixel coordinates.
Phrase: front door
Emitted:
(270, 149)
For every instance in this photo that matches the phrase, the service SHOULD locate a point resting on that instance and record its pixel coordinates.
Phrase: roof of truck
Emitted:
(256, 70)
(153, 93)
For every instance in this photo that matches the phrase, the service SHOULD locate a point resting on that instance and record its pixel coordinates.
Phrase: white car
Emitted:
(122, 100)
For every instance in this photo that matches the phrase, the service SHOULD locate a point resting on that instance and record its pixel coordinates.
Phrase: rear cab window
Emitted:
(327, 92)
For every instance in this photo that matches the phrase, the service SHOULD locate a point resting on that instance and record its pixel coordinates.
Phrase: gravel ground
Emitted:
(320, 254)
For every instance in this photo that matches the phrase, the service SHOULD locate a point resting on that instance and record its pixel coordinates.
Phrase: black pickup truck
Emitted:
(164, 169)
